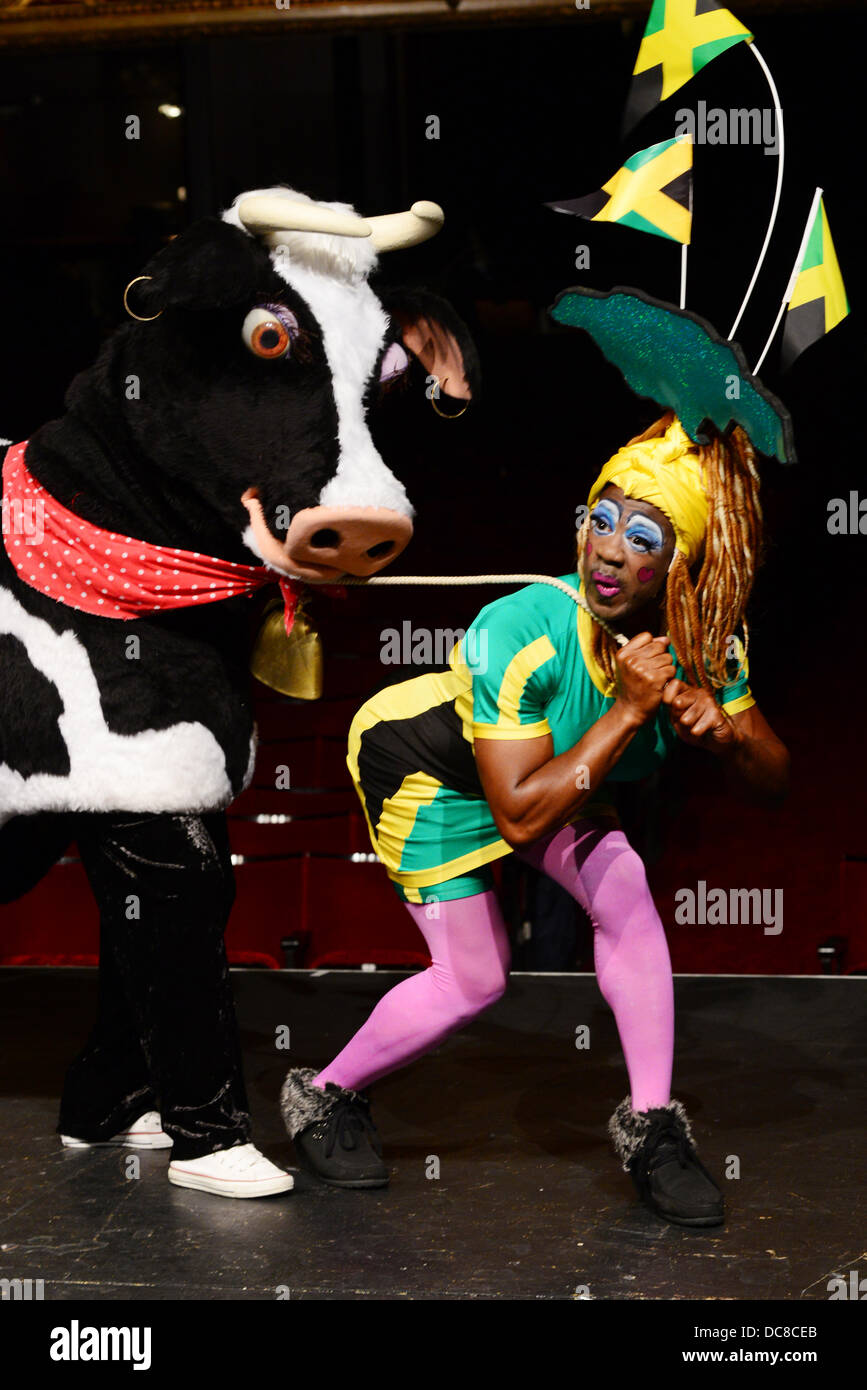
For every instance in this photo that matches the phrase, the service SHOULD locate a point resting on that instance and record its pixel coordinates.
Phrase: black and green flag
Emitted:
(652, 192)
(818, 302)
(682, 37)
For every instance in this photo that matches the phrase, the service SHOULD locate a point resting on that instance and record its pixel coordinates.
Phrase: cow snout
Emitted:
(323, 542)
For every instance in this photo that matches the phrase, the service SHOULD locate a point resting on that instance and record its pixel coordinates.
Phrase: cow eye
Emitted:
(394, 363)
(269, 330)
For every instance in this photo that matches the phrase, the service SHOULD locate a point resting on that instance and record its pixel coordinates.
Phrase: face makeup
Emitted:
(628, 553)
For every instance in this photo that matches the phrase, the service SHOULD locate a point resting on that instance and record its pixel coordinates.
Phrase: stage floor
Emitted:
(530, 1201)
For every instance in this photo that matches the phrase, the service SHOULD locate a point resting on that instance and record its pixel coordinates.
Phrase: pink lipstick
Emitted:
(606, 585)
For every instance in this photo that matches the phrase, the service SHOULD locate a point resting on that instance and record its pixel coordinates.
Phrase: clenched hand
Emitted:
(644, 668)
(697, 718)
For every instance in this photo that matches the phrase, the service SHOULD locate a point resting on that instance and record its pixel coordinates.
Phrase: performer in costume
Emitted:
(125, 718)
(554, 696)
(517, 746)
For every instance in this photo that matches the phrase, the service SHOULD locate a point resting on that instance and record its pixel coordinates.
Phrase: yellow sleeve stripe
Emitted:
(517, 673)
(741, 703)
(511, 731)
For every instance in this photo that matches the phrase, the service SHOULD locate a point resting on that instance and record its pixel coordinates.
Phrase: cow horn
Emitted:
(398, 229)
(267, 212)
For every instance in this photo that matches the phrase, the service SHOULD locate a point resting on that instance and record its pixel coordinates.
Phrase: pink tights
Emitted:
(469, 951)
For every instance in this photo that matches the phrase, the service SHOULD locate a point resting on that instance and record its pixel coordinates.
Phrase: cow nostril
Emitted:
(383, 548)
(326, 539)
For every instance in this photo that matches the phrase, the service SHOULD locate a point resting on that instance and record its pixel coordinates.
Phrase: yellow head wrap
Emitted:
(666, 472)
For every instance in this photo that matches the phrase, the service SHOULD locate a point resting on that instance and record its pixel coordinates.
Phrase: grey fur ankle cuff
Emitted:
(301, 1103)
(628, 1128)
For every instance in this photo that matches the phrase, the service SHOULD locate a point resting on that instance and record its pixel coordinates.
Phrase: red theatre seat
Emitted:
(56, 923)
(355, 918)
(269, 906)
(853, 913)
(339, 911)
(273, 801)
(306, 763)
(258, 836)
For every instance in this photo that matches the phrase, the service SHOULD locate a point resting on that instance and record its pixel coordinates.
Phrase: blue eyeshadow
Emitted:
(645, 529)
(607, 511)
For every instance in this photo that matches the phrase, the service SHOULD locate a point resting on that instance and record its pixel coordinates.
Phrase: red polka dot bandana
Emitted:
(109, 574)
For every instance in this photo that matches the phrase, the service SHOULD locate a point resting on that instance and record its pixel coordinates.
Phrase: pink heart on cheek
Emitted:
(645, 574)
(589, 550)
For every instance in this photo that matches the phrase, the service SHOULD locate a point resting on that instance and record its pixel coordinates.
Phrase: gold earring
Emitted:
(442, 413)
(150, 318)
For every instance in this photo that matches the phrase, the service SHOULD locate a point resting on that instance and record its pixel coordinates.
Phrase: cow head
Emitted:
(268, 351)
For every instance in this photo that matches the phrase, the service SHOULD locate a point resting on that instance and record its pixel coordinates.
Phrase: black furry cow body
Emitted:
(177, 420)
(233, 424)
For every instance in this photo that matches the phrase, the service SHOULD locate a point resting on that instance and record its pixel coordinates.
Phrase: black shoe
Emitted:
(658, 1152)
(334, 1135)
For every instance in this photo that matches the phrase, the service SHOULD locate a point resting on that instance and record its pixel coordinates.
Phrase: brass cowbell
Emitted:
(289, 663)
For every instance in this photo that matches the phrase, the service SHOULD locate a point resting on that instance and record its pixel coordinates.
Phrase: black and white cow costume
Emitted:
(232, 423)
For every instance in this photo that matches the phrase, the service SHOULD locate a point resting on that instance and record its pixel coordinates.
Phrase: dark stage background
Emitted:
(527, 113)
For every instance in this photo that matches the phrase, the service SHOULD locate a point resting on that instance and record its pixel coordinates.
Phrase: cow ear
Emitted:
(438, 338)
(211, 265)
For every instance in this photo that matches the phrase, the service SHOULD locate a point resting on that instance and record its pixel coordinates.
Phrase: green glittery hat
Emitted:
(680, 361)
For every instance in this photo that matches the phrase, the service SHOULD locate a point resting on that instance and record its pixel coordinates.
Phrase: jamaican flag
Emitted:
(652, 193)
(682, 37)
(818, 301)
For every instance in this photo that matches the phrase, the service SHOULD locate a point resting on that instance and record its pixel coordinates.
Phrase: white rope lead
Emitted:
(458, 580)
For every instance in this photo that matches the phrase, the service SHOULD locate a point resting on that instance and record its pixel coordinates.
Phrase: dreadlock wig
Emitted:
(710, 494)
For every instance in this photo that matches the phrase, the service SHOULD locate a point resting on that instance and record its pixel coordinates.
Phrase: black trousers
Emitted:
(166, 1036)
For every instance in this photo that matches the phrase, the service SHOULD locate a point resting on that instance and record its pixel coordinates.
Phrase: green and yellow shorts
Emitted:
(415, 774)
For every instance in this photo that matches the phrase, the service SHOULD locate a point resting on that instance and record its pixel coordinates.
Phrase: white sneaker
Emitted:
(238, 1172)
(144, 1133)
